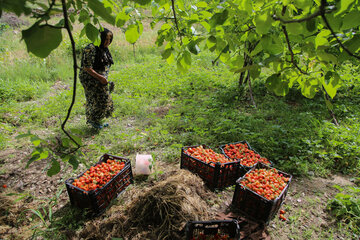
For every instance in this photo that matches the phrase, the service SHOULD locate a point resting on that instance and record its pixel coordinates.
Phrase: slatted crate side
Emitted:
(217, 175)
(195, 229)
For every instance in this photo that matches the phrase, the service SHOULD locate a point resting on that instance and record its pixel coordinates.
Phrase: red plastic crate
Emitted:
(209, 229)
(254, 206)
(216, 176)
(98, 200)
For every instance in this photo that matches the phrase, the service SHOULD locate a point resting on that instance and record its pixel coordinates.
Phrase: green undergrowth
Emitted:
(158, 110)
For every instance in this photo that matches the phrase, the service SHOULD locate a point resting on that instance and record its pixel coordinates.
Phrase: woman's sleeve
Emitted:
(89, 56)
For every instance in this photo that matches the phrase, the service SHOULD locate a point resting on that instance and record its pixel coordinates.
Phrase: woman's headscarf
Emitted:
(103, 56)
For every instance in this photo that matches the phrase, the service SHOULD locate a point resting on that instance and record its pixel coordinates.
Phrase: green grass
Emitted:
(158, 110)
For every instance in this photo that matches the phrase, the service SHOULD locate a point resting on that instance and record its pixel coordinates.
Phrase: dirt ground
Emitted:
(305, 204)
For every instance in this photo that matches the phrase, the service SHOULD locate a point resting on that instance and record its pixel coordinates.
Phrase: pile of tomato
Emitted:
(217, 236)
(97, 176)
(246, 156)
(207, 155)
(268, 183)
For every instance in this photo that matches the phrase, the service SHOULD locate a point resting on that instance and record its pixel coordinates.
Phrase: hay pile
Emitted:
(13, 224)
(159, 212)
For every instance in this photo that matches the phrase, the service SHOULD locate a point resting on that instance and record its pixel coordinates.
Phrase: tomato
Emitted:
(4, 186)
(265, 182)
(97, 176)
(207, 155)
(282, 217)
(246, 156)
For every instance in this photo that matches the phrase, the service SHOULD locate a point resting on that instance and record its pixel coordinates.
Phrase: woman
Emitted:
(95, 66)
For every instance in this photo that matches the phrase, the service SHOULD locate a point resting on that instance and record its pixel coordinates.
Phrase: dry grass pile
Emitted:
(161, 212)
(11, 222)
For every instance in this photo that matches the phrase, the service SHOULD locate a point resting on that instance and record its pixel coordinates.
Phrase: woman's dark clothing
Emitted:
(99, 103)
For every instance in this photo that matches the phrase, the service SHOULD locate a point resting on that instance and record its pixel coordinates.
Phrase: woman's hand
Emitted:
(99, 77)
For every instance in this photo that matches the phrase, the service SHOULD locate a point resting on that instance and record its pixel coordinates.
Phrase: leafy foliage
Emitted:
(346, 207)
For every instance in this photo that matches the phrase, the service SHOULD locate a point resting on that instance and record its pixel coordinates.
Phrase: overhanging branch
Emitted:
(67, 26)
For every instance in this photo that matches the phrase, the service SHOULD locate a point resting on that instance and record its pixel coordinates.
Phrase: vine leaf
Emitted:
(276, 84)
(41, 39)
(99, 9)
(93, 34)
(132, 33)
(54, 169)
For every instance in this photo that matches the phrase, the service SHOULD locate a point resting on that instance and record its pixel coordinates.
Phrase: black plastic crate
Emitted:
(216, 175)
(98, 200)
(243, 169)
(254, 206)
(208, 229)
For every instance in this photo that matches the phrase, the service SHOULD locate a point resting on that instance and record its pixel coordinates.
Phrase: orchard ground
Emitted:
(157, 111)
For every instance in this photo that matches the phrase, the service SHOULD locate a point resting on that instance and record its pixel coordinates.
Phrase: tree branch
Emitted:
(67, 26)
(314, 15)
(291, 51)
(322, 13)
(52, 26)
(176, 22)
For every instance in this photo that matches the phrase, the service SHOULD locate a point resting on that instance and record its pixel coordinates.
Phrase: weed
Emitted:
(346, 207)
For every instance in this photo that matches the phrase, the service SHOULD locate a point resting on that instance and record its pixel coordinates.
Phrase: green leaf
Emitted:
(55, 168)
(311, 25)
(93, 34)
(332, 83)
(43, 155)
(245, 5)
(132, 33)
(353, 44)
(211, 43)
(351, 20)
(201, 4)
(262, 23)
(33, 158)
(219, 18)
(121, 19)
(327, 57)
(35, 140)
(277, 85)
(84, 16)
(74, 162)
(166, 53)
(303, 4)
(77, 139)
(97, 6)
(193, 47)
(24, 135)
(257, 50)
(236, 63)
(184, 62)
(271, 44)
(295, 28)
(309, 87)
(344, 5)
(41, 40)
(334, 21)
(206, 26)
(321, 39)
(16, 6)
